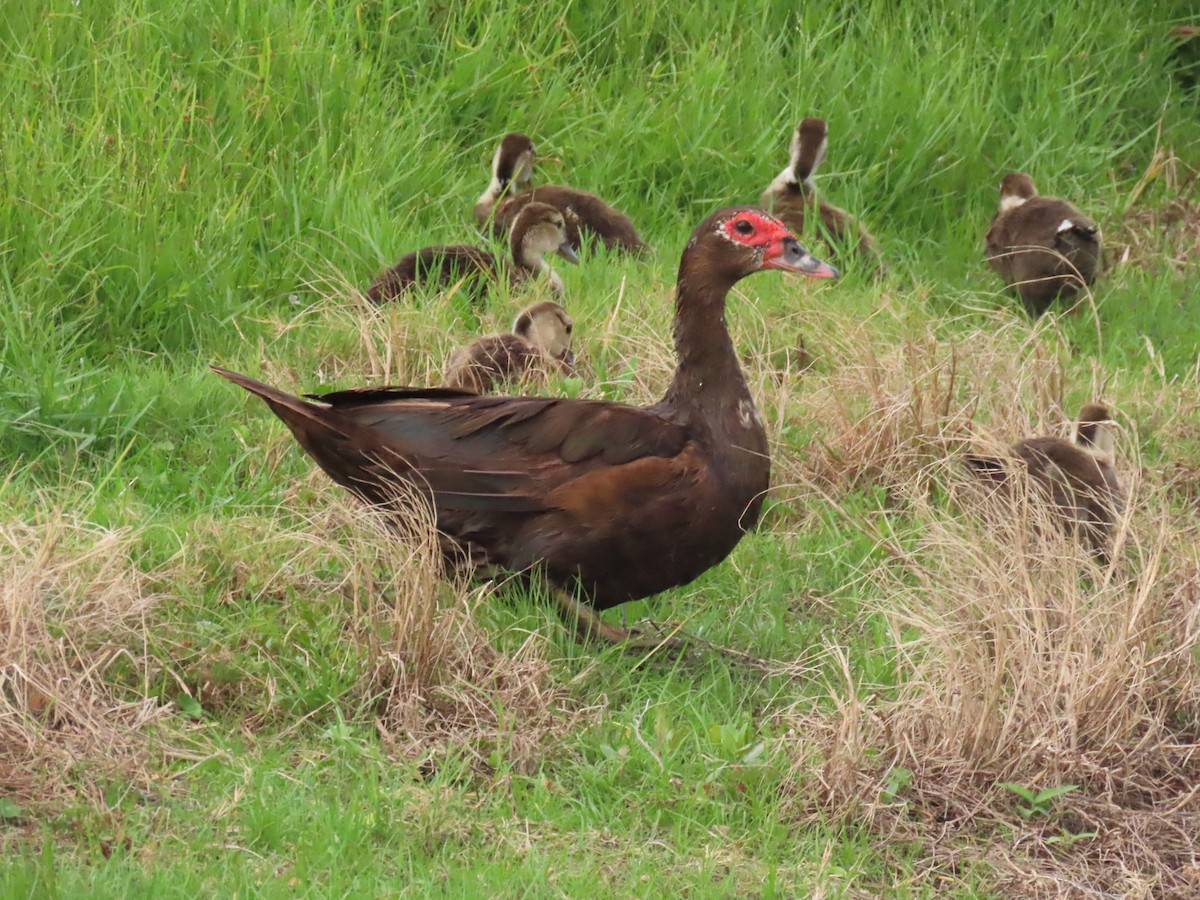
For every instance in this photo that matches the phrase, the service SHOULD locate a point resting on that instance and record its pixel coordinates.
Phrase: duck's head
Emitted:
(548, 327)
(810, 143)
(1015, 189)
(1095, 429)
(512, 166)
(513, 162)
(739, 240)
(537, 230)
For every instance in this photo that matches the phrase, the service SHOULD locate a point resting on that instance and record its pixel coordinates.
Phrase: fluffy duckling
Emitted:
(1079, 477)
(588, 217)
(793, 197)
(539, 229)
(1042, 246)
(540, 341)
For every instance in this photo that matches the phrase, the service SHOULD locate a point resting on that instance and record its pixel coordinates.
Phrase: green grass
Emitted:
(186, 184)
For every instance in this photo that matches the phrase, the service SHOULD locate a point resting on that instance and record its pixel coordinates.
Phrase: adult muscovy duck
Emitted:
(793, 196)
(539, 229)
(1042, 247)
(609, 502)
(588, 217)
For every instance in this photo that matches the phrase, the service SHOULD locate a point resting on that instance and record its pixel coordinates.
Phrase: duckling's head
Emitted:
(810, 143)
(512, 165)
(1015, 189)
(1095, 429)
(539, 229)
(547, 326)
(513, 162)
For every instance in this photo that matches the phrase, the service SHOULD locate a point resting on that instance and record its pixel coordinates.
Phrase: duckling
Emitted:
(512, 171)
(538, 230)
(540, 341)
(1079, 477)
(1042, 246)
(588, 217)
(792, 194)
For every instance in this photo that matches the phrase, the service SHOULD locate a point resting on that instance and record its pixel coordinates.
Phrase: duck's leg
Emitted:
(590, 627)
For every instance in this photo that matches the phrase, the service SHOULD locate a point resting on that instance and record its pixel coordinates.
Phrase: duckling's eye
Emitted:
(741, 226)
(570, 328)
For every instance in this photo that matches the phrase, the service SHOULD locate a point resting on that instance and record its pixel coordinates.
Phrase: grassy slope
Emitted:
(177, 177)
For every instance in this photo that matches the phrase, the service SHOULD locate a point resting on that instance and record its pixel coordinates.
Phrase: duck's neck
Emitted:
(708, 375)
(534, 265)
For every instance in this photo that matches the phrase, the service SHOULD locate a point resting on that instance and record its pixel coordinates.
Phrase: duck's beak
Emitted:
(567, 252)
(789, 256)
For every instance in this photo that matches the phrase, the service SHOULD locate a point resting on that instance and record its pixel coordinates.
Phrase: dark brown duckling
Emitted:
(539, 230)
(793, 197)
(540, 342)
(1042, 247)
(1079, 478)
(588, 217)
(608, 502)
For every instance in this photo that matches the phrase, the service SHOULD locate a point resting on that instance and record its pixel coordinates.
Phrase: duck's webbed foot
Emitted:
(590, 627)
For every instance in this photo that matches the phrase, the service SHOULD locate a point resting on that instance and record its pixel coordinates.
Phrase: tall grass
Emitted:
(174, 174)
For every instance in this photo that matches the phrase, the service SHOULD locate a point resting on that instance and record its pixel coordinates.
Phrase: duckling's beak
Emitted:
(789, 256)
(567, 252)
(569, 359)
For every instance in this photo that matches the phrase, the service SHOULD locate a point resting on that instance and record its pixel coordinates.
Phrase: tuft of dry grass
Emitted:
(1150, 235)
(416, 659)
(889, 413)
(1019, 660)
(73, 607)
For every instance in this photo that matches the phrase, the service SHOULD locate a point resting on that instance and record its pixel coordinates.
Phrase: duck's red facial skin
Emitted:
(773, 244)
(755, 229)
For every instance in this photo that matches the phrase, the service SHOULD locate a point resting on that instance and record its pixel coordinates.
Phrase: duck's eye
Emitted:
(741, 226)
(570, 328)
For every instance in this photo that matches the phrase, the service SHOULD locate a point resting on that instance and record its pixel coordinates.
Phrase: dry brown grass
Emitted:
(1019, 659)
(892, 410)
(419, 662)
(73, 606)
(1153, 233)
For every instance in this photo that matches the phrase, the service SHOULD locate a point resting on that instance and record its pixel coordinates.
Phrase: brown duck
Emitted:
(608, 502)
(540, 341)
(1079, 478)
(793, 197)
(1042, 247)
(588, 217)
(537, 231)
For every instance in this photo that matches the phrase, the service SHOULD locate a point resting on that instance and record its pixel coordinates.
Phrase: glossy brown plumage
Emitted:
(793, 197)
(1079, 478)
(589, 218)
(617, 501)
(1043, 247)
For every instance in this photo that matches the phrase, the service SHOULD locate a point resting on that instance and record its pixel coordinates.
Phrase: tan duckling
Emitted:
(1079, 477)
(588, 217)
(540, 342)
(1043, 247)
(793, 197)
(538, 231)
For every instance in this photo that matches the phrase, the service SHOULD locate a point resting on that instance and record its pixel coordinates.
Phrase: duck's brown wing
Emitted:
(468, 454)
